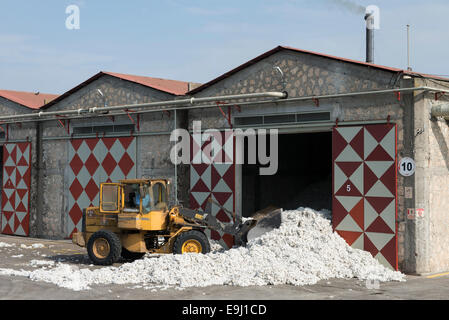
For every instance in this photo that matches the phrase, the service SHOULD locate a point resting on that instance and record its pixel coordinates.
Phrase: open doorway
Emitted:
(303, 179)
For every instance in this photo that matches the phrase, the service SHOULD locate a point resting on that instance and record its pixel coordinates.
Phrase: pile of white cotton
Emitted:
(303, 251)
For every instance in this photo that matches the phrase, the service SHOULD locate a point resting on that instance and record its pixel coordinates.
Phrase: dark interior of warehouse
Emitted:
(303, 179)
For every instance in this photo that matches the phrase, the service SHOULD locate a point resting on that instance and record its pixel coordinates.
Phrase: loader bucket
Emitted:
(261, 222)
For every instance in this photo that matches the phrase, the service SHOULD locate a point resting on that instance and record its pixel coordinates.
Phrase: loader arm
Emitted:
(268, 219)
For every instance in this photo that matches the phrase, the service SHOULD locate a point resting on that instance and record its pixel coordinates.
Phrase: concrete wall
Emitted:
(431, 232)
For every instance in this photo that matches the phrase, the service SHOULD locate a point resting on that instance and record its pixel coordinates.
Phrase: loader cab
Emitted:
(134, 196)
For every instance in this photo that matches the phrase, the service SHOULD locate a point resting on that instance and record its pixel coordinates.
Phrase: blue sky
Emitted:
(198, 40)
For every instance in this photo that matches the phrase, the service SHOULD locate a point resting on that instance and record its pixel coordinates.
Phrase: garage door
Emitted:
(93, 161)
(216, 180)
(15, 214)
(364, 189)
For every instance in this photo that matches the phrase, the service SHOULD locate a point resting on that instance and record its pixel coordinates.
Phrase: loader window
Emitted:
(132, 199)
(109, 197)
(160, 196)
(146, 200)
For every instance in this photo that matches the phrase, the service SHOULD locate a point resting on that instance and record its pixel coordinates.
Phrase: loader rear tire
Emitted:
(129, 255)
(192, 241)
(104, 248)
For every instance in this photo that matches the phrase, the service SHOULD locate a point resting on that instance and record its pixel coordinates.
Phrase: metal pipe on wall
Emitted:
(83, 115)
(192, 101)
(106, 110)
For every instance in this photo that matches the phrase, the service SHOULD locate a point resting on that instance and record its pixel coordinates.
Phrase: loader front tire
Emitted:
(192, 241)
(104, 248)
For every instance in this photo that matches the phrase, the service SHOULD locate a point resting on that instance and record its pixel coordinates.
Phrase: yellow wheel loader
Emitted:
(134, 218)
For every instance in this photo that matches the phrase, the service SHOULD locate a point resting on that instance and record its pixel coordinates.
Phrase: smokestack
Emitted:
(369, 17)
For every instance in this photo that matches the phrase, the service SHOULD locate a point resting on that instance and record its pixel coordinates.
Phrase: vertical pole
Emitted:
(408, 48)
(176, 166)
(40, 178)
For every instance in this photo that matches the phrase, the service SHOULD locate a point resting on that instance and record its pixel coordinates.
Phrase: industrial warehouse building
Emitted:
(343, 127)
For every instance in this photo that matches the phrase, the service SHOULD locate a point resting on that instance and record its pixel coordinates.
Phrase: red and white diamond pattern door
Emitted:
(364, 189)
(93, 161)
(15, 214)
(214, 179)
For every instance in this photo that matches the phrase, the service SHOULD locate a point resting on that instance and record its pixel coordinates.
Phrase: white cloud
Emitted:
(28, 65)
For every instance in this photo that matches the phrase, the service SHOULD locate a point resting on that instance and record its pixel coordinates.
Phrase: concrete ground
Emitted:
(19, 256)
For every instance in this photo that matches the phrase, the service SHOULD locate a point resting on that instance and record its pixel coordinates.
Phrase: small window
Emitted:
(313, 116)
(124, 128)
(283, 118)
(246, 121)
(82, 130)
(103, 129)
(280, 118)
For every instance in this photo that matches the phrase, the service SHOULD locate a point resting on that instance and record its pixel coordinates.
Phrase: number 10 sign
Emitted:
(407, 167)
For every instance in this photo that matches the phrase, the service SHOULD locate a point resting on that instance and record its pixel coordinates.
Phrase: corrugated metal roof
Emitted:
(28, 99)
(173, 87)
(280, 48)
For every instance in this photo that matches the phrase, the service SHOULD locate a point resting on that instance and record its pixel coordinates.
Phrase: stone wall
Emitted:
(116, 92)
(306, 75)
(152, 144)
